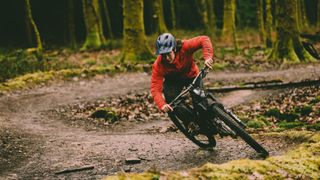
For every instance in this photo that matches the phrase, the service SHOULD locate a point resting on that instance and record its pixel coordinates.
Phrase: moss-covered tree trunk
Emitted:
(288, 47)
(34, 28)
(203, 12)
(173, 14)
(269, 24)
(94, 37)
(211, 15)
(158, 17)
(318, 18)
(229, 26)
(205, 9)
(262, 33)
(107, 17)
(302, 16)
(29, 33)
(71, 25)
(135, 46)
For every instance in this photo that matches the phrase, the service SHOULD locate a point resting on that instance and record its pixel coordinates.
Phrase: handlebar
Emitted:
(202, 74)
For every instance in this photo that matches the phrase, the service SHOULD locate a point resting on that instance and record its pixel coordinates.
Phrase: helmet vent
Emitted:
(166, 37)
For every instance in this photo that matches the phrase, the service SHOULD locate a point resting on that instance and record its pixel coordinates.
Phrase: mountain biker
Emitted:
(175, 68)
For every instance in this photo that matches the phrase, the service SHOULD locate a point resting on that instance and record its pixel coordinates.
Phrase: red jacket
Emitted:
(183, 65)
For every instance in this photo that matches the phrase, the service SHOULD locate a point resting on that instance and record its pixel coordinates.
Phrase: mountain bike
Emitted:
(200, 117)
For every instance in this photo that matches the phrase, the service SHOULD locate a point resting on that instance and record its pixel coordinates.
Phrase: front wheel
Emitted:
(229, 121)
(182, 117)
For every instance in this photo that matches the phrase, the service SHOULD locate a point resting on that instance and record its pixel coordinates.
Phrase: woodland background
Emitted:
(42, 35)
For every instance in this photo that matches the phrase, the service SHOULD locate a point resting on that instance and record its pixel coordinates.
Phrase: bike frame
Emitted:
(192, 88)
(200, 100)
(211, 117)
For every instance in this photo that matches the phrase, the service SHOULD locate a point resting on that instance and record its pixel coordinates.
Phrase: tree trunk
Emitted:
(108, 21)
(211, 15)
(302, 17)
(229, 27)
(158, 17)
(260, 18)
(288, 48)
(94, 37)
(71, 24)
(34, 27)
(203, 12)
(173, 15)
(269, 25)
(178, 13)
(318, 18)
(135, 47)
(28, 27)
(205, 8)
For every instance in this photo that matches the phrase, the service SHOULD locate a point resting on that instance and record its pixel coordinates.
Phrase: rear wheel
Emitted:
(182, 117)
(239, 130)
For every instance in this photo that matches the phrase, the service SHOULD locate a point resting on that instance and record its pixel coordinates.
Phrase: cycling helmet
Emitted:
(165, 43)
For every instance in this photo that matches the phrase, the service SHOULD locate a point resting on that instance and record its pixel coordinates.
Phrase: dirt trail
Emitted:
(61, 146)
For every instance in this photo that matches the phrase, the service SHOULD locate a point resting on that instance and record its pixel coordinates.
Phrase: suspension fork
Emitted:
(230, 113)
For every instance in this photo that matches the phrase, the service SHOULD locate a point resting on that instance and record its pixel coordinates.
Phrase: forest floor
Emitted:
(39, 136)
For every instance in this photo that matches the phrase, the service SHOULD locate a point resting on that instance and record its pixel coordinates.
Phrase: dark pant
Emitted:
(173, 86)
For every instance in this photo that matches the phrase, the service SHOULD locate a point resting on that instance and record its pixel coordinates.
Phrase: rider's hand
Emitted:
(208, 63)
(166, 108)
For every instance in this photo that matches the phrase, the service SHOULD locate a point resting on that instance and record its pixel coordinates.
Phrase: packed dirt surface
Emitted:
(39, 144)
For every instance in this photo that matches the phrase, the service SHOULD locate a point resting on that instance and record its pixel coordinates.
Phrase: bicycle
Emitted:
(202, 117)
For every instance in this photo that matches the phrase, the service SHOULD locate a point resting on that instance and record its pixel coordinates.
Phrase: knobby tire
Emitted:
(239, 130)
(211, 140)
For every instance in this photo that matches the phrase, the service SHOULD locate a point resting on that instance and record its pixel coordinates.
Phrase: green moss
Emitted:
(256, 124)
(256, 68)
(106, 113)
(26, 81)
(243, 118)
(30, 80)
(290, 125)
(220, 66)
(305, 110)
(135, 46)
(315, 126)
(264, 119)
(315, 100)
(290, 117)
(302, 162)
(273, 112)
(90, 62)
